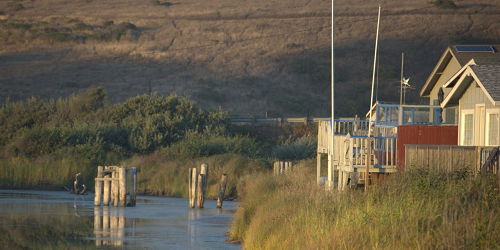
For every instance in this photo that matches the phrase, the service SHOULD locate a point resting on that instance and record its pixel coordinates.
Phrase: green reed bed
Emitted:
(416, 210)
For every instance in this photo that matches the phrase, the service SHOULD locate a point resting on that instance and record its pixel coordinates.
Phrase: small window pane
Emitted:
(468, 129)
(493, 130)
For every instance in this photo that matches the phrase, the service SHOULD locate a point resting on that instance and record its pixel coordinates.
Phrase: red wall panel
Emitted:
(424, 135)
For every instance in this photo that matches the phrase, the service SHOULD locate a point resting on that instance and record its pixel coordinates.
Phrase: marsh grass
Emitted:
(164, 175)
(417, 210)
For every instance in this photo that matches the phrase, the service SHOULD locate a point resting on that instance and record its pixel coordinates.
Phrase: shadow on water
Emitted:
(58, 220)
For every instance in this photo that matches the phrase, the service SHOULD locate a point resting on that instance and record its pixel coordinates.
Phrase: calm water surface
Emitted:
(59, 220)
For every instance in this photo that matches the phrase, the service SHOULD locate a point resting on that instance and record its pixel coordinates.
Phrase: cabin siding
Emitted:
(473, 98)
(452, 68)
(474, 95)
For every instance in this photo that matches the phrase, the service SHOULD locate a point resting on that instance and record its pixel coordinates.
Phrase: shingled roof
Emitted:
(489, 76)
(451, 53)
(486, 76)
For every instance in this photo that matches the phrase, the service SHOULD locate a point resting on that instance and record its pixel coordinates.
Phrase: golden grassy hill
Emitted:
(248, 57)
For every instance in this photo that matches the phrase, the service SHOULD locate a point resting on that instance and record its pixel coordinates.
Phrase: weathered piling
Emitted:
(114, 180)
(204, 171)
(201, 192)
(133, 185)
(107, 191)
(115, 186)
(98, 187)
(122, 175)
(222, 190)
(192, 190)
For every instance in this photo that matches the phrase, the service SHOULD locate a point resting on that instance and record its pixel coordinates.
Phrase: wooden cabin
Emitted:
(464, 107)
(353, 151)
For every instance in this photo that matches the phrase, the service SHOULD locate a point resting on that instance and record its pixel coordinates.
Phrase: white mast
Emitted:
(374, 67)
(368, 153)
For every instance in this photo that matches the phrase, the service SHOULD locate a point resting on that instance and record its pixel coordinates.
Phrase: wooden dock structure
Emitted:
(111, 186)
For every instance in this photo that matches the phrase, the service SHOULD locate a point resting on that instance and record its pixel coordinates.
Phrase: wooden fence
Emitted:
(446, 158)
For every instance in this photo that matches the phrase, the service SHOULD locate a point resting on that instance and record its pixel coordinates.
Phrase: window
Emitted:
(450, 116)
(492, 126)
(467, 128)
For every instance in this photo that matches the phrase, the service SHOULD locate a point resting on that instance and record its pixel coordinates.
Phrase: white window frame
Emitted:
(462, 125)
(488, 113)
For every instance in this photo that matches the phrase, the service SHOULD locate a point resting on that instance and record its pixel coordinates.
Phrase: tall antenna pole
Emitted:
(401, 92)
(330, 162)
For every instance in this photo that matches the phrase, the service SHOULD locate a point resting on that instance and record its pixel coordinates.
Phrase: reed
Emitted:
(417, 210)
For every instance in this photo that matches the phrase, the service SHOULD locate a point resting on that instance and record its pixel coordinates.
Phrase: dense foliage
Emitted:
(140, 125)
(45, 143)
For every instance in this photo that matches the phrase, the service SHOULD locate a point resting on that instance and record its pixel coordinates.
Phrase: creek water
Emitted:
(60, 220)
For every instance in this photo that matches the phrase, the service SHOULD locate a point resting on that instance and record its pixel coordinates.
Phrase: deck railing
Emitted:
(350, 150)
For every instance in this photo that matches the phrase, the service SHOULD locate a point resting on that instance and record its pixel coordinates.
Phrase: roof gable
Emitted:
(463, 58)
(486, 76)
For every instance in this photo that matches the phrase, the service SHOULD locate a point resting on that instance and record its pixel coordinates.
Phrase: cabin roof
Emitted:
(462, 58)
(486, 76)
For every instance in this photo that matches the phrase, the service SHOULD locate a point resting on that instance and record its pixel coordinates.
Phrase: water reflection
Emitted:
(59, 220)
(38, 225)
(109, 226)
(193, 230)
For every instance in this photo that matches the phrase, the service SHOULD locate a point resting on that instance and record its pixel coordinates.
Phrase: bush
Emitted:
(444, 4)
(129, 25)
(17, 7)
(302, 148)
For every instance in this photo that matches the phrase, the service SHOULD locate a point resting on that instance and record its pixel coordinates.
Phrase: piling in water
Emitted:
(222, 190)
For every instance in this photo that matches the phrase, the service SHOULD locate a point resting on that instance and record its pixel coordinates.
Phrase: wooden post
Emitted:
(318, 168)
(122, 175)
(190, 186)
(193, 183)
(133, 185)
(201, 194)
(222, 190)
(368, 162)
(204, 171)
(106, 197)
(114, 187)
(98, 187)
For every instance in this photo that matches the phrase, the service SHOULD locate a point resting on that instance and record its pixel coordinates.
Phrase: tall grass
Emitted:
(160, 174)
(418, 210)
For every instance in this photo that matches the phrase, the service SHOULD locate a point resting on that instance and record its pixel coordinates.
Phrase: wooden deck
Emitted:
(351, 150)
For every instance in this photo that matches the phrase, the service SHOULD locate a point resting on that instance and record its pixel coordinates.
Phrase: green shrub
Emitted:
(444, 4)
(57, 36)
(82, 26)
(17, 7)
(108, 23)
(302, 148)
(129, 25)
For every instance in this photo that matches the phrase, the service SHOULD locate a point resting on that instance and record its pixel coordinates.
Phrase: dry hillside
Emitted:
(248, 57)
